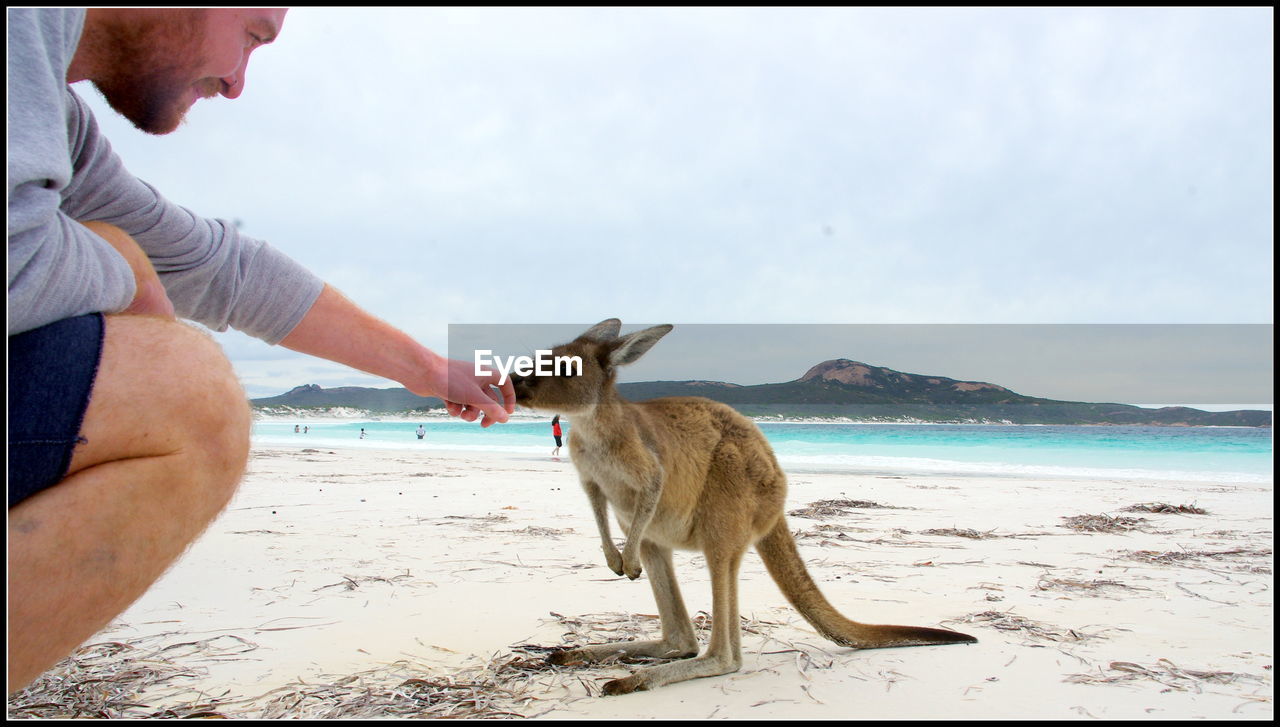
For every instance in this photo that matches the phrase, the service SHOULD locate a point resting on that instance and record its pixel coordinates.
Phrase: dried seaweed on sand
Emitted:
(541, 532)
(1198, 558)
(1006, 621)
(836, 508)
(106, 680)
(350, 584)
(1071, 585)
(1164, 672)
(964, 533)
(401, 689)
(1103, 523)
(1164, 508)
(827, 532)
(490, 518)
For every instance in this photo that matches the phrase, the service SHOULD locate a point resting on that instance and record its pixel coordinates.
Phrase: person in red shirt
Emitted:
(555, 432)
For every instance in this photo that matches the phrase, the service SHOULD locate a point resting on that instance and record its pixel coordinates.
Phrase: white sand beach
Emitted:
(390, 583)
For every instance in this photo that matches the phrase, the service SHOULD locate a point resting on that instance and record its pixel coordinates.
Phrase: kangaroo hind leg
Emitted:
(724, 654)
(678, 638)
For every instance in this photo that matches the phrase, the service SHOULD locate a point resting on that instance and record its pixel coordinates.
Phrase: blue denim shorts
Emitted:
(51, 373)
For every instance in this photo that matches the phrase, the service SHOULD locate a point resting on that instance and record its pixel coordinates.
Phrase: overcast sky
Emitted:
(835, 166)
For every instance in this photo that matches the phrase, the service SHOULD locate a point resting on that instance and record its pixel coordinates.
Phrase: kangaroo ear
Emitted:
(605, 330)
(632, 346)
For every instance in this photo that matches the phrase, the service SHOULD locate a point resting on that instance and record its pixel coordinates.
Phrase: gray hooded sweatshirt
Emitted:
(62, 171)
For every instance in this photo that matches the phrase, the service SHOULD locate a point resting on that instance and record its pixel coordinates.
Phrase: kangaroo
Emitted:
(688, 473)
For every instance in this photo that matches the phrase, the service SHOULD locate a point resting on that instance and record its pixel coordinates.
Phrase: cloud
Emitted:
(820, 165)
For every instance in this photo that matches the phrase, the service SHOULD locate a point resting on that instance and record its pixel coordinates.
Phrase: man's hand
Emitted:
(150, 298)
(467, 395)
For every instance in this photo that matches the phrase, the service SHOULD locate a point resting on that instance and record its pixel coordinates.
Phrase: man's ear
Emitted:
(632, 346)
(605, 330)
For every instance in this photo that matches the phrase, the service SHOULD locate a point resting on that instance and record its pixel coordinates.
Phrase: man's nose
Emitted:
(233, 86)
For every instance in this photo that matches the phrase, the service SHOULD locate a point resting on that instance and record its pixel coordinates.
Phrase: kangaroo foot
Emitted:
(596, 653)
(678, 671)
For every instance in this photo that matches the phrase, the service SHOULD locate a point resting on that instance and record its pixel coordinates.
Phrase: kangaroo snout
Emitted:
(526, 386)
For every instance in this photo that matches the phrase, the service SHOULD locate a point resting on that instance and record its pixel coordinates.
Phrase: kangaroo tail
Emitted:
(778, 550)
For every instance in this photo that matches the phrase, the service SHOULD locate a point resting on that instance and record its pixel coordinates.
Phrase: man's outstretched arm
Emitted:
(338, 330)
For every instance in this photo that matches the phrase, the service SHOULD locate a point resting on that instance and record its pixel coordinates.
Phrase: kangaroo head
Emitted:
(601, 351)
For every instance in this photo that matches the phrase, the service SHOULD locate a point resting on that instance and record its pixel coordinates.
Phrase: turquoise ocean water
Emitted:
(1231, 454)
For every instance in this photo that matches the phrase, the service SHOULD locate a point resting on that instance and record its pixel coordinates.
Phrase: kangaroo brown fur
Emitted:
(693, 474)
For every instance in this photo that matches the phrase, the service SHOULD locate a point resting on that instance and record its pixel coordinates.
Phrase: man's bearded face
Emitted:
(156, 75)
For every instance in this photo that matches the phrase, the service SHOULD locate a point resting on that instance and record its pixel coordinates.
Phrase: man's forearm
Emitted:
(338, 330)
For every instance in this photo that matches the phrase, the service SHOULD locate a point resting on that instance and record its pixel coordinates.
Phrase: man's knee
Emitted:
(165, 388)
(218, 416)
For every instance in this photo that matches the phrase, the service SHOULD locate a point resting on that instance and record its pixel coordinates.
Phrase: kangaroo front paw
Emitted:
(614, 559)
(631, 566)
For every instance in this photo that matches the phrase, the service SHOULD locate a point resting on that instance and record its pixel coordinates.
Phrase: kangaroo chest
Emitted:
(629, 475)
(621, 476)
(623, 467)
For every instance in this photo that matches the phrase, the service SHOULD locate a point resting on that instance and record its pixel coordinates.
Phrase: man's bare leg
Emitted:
(168, 437)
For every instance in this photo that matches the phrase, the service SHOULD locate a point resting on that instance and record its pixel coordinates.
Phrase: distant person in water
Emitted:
(555, 432)
(421, 432)
(362, 432)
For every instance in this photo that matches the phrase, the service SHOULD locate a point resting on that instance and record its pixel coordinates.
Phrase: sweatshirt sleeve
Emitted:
(213, 274)
(56, 268)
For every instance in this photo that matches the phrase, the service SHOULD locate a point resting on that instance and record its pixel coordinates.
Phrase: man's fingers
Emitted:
(493, 411)
(509, 396)
(472, 396)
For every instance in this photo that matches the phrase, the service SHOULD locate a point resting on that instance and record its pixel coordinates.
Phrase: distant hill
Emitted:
(852, 389)
(837, 388)
(311, 396)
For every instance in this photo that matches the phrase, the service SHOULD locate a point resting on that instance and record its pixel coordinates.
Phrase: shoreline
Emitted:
(833, 462)
(382, 567)
(344, 414)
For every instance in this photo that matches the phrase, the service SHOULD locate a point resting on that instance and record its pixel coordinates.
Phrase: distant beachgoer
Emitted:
(555, 432)
(421, 432)
(295, 428)
(362, 432)
(306, 429)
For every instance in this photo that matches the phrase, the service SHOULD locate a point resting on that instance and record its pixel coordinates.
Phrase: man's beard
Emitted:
(154, 72)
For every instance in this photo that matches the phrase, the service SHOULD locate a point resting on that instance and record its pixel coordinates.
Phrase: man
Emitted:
(128, 432)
